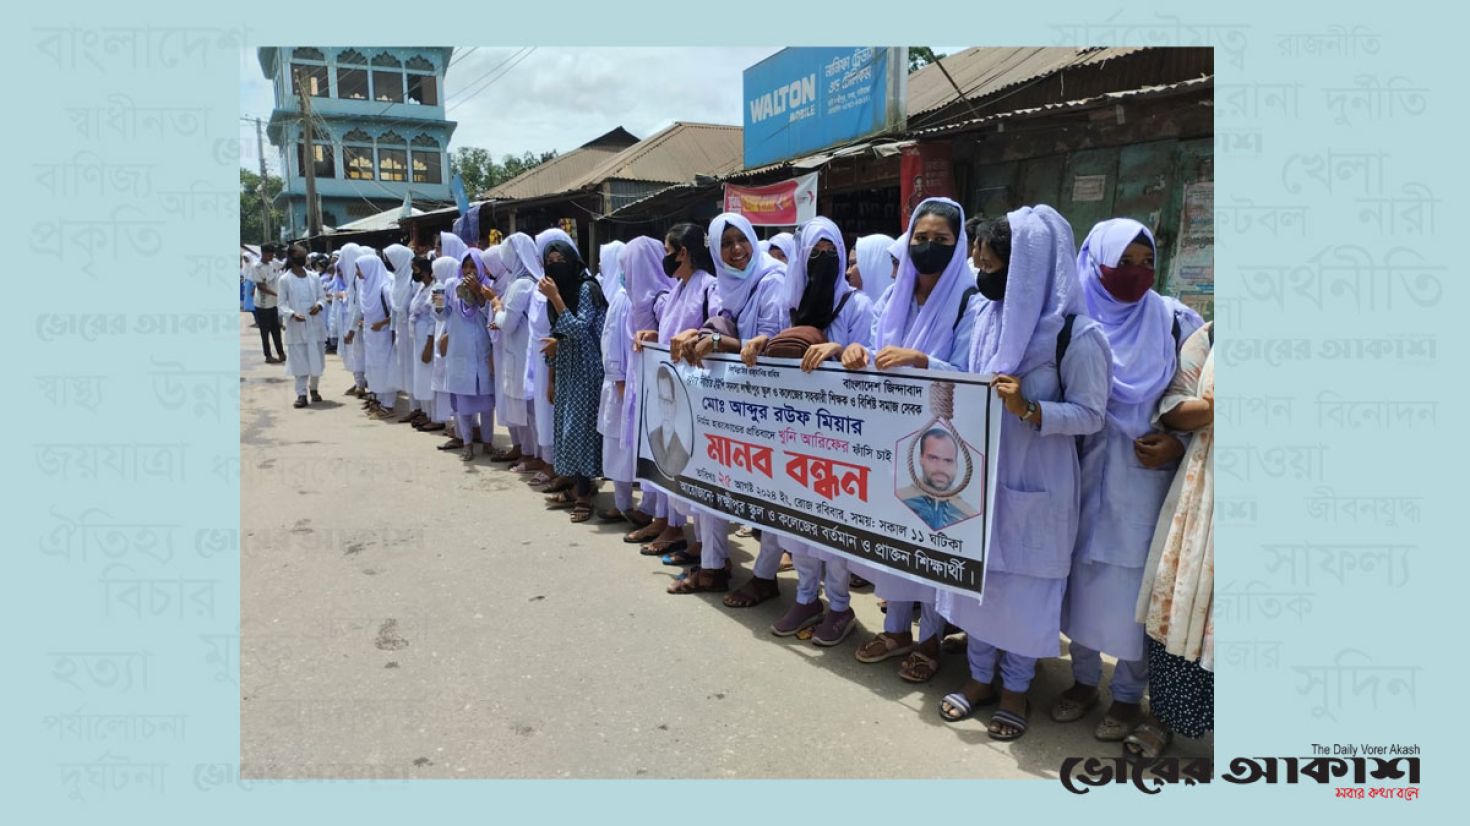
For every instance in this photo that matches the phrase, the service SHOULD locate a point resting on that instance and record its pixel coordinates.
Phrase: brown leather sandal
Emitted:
(918, 667)
(753, 593)
(700, 580)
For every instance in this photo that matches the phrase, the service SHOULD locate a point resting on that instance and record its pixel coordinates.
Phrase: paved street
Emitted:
(410, 615)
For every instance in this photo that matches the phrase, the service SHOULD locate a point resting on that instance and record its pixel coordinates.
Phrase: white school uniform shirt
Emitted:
(266, 275)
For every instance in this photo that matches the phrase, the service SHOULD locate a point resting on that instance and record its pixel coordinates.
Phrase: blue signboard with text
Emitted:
(805, 99)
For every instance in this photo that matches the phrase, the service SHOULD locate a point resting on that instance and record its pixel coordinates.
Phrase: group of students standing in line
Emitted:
(1104, 486)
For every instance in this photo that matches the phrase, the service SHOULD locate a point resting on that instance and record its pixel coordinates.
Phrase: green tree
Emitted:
(479, 171)
(475, 167)
(252, 228)
(921, 56)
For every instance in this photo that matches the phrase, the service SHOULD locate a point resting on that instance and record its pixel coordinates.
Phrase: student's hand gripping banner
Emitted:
(890, 469)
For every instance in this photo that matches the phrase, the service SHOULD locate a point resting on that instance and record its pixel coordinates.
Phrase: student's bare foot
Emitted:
(1010, 720)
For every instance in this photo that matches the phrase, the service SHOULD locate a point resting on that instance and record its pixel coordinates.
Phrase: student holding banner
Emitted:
(819, 297)
(650, 290)
(686, 259)
(916, 328)
(751, 300)
(1030, 309)
(1126, 470)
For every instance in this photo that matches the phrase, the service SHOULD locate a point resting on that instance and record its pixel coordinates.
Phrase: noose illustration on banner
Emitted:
(941, 405)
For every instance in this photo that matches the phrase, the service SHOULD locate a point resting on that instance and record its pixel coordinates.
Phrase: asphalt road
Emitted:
(405, 614)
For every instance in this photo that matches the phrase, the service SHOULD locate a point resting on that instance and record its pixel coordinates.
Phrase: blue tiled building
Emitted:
(380, 130)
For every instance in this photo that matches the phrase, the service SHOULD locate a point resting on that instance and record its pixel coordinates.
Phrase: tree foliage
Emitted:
(479, 170)
(252, 229)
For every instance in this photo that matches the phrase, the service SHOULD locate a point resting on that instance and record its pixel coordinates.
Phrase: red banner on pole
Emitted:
(784, 204)
(925, 170)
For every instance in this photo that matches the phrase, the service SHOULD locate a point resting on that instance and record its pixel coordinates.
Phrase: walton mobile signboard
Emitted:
(805, 99)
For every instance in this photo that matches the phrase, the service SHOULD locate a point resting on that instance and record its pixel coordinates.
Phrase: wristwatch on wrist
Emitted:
(715, 337)
(1031, 407)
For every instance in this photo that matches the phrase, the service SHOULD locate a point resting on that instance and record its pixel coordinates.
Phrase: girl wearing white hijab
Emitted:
(512, 370)
(782, 247)
(915, 328)
(452, 247)
(1126, 470)
(543, 349)
(617, 362)
(1029, 299)
(400, 259)
(372, 318)
(421, 340)
(751, 292)
(872, 266)
(351, 346)
(821, 298)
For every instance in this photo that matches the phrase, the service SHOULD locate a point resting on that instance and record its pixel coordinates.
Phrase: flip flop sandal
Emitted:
(1012, 719)
(892, 648)
(632, 538)
(745, 532)
(581, 513)
(638, 517)
(1113, 730)
(679, 558)
(560, 501)
(539, 479)
(505, 456)
(918, 667)
(693, 582)
(611, 515)
(657, 548)
(1068, 709)
(753, 593)
(965, 705)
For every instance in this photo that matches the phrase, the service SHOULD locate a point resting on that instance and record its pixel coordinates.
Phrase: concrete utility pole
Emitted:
(265, 203)
(313, 213)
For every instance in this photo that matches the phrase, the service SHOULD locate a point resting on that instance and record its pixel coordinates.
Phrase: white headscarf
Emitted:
(610, 268)
(545, 237)
(875, 264)
(932, 330)
(370, 289)
(452, 245)
(520, 257)
(1019, 332)
(736, 288)
(786, 243)
(401, 258)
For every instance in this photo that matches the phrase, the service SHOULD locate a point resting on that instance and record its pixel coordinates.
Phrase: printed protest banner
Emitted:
(875, 466)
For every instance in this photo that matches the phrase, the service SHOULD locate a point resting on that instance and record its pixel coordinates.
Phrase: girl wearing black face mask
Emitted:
(992, 256)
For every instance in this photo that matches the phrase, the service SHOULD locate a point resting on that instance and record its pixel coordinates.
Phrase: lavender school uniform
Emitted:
(1037, 485)
(513, 369)
(930, 329)
(853, 324)
(400, 260)
(1120, 497)
(649, 289)
(421, 328)
(757, 304)
(467, 375)
(617, 356)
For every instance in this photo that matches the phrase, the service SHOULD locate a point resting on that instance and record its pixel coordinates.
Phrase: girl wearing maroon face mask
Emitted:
(1126, 470)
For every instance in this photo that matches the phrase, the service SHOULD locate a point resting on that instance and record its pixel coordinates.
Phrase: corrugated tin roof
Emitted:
(1081, 103)
(674, 155)
(982, 71)
(387, 219)
(556, 175)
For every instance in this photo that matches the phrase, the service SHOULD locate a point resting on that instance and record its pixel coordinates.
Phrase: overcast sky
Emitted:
(510, 100)
(559, 98)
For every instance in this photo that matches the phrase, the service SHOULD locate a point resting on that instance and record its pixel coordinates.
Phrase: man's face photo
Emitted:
(666, 397)
(938, 453)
